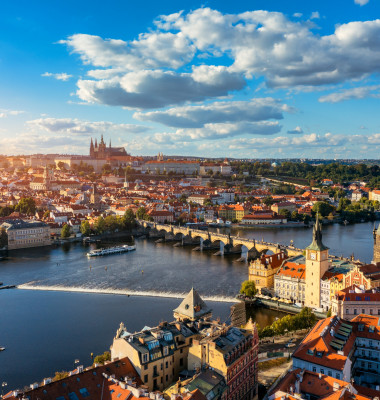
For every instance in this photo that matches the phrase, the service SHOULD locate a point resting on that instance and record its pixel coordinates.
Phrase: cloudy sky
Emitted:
(257, 79)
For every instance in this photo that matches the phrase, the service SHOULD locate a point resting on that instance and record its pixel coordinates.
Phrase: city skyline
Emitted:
(244, 80)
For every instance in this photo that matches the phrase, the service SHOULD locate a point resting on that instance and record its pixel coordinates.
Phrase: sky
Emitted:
(242, 79)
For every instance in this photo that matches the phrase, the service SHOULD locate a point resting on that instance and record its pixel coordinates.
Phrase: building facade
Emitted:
(289, 282)
(263, 270)
(376, 244)
(23, 234)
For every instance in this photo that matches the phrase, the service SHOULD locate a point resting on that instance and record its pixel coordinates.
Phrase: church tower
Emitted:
(376, 244)
(91, 148)
(317, 263)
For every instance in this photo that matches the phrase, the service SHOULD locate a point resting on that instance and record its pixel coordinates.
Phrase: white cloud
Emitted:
(157, 88)
(315, 15)
(259, 109)
(6, 113)
(361, 2)
(361, 92)
(60, 77)
(297, 15)
(296, 131)
(152, 71)
(76, 127)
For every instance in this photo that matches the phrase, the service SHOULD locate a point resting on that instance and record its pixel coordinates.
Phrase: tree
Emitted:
(285, 213)
(61, 165)
(3, 238)
(102, 358)
(268, 201)
(248, 288)
(323, 208)
(46, 214)
(26, 205)
(85, 228)
(129, 219)
(65, 231)
(60, 375)
(100, 225)
(141, 213)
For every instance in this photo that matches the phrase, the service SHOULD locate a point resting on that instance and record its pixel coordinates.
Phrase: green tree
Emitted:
(100, 225)
(46, 214)
(26, 205)
(129, 219)
(285, 213)
(3, 238)
(102, 358)
(268, 201)
(60, 375)
(141, 213)
(65, 231)
(111, 223)
(85, 228)
(323, 208)
(248, 288)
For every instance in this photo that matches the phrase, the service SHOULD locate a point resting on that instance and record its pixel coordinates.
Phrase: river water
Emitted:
(74, 305)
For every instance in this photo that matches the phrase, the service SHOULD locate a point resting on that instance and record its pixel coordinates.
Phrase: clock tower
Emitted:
(317, 263)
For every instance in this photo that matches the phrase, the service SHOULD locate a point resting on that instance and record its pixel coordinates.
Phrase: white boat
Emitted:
(111, 250)
(2, 348)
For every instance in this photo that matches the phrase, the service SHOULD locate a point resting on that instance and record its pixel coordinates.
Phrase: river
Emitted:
(74, 304)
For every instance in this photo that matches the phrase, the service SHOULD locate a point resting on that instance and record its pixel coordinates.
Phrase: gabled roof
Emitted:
(192, 306)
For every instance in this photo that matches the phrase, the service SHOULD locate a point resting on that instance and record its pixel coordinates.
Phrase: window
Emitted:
(145, 357)
(166, 364)
(347, 311)
(166, 350)
(181, 362)
(355, 311)
(314, 369)
(337, 375)
(145, 366)
(322, 371)
(329, 373)
(145, 378)
(363, 311)
(73, 396)
(84, 392)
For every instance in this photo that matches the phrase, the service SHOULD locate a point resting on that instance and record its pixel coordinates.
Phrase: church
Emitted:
(101, 151)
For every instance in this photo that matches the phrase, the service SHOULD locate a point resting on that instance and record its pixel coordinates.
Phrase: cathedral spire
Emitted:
(110, 144)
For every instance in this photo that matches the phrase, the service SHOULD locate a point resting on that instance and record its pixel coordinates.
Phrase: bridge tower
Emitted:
(317, 263)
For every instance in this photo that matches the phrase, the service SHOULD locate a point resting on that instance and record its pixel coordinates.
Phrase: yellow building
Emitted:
(263, 269)
(159, 354)
(232, 212)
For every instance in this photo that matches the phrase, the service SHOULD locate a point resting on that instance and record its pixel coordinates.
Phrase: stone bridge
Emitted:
(227, 244)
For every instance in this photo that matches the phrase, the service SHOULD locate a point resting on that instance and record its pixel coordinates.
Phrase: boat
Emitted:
(2, 348)
(111, 250)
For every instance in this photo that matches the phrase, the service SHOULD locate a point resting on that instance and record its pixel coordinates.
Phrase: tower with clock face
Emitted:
(317, 263)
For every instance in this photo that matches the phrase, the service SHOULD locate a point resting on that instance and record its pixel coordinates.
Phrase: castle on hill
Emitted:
(101, 151)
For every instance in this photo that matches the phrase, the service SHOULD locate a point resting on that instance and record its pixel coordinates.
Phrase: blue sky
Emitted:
(251, 79)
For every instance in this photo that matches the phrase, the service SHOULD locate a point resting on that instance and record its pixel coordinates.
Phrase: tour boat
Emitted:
(111, 250)
(2, 348)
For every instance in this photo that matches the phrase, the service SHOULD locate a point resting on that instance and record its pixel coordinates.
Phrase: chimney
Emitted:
(320, 376)
(336, 386)
(34, 385)
(47, 380)
(80, 369)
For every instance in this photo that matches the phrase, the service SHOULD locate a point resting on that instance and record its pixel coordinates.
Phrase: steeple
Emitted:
(317, 244)
(96, 143)
(110, 144)
(102, 140)
(91, 148)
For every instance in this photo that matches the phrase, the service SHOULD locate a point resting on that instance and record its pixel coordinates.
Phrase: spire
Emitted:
(317, 244)
(102, 140)
(192, 307)
(96, 143)
(110, 143)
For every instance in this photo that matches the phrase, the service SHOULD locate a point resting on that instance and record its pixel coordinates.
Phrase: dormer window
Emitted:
(145, 357)
(166, 350)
